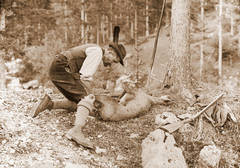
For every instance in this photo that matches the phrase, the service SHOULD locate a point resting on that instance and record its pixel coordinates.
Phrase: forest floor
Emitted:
(41, 142)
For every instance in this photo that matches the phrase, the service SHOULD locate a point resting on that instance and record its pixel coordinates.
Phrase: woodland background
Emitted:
(35, 30)
(32, 32)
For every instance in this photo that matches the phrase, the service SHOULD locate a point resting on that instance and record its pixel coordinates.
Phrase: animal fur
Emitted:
(141, 102)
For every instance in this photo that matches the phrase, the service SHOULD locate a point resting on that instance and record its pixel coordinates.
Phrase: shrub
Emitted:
(38, 59)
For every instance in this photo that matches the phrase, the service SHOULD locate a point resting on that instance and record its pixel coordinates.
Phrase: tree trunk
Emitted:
(3, 84)
(65, 21)
(220, 41)
(239, 41)
(98, 33)
(102, 28)
(107, 30)
(201, 46)
(111, 21)
(2, 21)
(116, 19)
(132, 24)
(82, 22)
(136, 39)
(147, 19)
(87, 28)
(135, 27)
(25, 38)
(132, 29)
(178, 76)
(39, 32)
(232, 20)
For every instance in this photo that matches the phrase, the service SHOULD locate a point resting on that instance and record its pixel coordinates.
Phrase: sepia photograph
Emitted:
(119, 83)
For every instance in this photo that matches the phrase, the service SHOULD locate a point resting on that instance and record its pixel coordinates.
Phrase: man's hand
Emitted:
(86, 78)
(76, 76)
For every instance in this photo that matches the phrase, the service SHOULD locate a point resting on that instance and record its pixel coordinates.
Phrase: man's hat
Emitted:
(118, 48)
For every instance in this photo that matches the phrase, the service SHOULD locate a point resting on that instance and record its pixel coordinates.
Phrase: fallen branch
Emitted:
(175, 126)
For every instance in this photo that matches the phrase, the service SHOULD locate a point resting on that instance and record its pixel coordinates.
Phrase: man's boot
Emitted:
(85, 106)
(65, 104)
(76, 135)
(47, 103)
(42, 105)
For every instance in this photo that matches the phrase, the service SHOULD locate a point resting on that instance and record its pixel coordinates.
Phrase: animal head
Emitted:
(128, 83)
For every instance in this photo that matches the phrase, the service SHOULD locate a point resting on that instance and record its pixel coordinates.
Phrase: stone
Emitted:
(72, 165)
(209, 157)
(165, 118)
(14, 83)
(33, 84)
(133, 135)
(100, 150)
(186, 128)
(120, 158)
(99, 136)
(159, 150)
(42, 164)
(185, 116)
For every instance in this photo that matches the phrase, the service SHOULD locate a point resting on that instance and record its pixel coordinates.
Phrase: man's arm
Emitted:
(91, 62)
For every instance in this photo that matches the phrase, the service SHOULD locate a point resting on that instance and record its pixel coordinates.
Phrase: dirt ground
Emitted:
(41, 142)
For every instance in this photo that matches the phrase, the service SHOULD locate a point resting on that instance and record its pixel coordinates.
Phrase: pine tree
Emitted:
(179, 73)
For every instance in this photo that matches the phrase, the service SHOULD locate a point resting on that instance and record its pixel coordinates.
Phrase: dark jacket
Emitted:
(69, 83)
(73, 62)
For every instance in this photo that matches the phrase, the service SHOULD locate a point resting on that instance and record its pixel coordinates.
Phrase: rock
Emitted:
(99, 136)
(14, 66)
(133, 135)
(100, 150)
(4, 141)
(159, 150)
(71, 165)
(31, 84)
(185, 116)
(186, 128)
(165, 118)
(41, 164)
(47, 90)
(12, 151)
(11, 162)
(120, 157)
(209, 157)
(14, 83)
